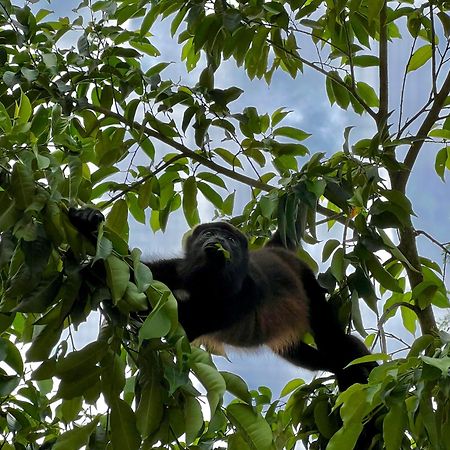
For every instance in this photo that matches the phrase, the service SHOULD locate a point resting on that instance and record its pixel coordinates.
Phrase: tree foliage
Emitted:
(87, 115)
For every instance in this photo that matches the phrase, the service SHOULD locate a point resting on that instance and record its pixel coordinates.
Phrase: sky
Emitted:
(306, 97)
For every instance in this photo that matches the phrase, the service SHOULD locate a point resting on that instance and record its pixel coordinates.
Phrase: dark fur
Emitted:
(229, 295)
(262, 297)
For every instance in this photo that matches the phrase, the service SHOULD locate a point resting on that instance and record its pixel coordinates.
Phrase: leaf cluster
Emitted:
(102, 122)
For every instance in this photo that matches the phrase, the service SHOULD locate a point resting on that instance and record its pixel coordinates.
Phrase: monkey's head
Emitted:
(217, 245)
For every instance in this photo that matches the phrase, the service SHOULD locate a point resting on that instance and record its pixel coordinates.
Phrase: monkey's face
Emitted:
(218, 244)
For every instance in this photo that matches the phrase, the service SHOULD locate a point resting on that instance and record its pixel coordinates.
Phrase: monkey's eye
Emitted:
(231, 239)
(207, 233)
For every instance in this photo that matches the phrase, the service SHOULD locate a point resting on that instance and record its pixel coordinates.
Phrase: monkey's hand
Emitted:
(86, 220)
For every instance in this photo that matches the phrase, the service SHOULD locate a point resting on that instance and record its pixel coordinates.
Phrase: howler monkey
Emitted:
(229, 295)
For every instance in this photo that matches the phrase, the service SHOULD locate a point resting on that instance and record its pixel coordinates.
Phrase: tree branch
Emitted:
(383, 73)
(400, 179)
(435, 241)
(367, 108)
(391, 308)
(330, 214)
(180, 147)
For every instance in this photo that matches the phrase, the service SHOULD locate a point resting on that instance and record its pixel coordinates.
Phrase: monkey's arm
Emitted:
(167, 271)
(190, 314)
(86, 220)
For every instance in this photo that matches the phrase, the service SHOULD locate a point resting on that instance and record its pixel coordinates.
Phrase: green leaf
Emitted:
(336, 90)
(193, 418)
(76, 438)
(150, 410)
(30, 74)
(124, 434)
(142, 274)
(134, 299)
(42, 14)
(237, 386)
(40, 298)
(210, 194)
(229, 157)
(374, 9)
(149, 19)
(291, 132)
(145, 47)
(39, 125)
(329, 248)
(421, 344)
(104, 248)
(445, 20)
(382, 275)
(70, 409)
(117, 218)
(256, 430)
(71, 386)
(420, 57)
(156, 325)
(440, 164)
(212, 178)
(367, 93)
(43, 344)
(228, 204)
(206, 31)
(11, 355)
(117, 276)
(80, 361)
(23, 113)
(292, 386)
(338, 265)
(7, 384)
(326, 423)
(190, 201)
(443, 364)
(398, 199)
(373, 357)
(346, 437)
(366, 61)
(213, 382)
(50, 60)
(22, 185)
(409, 319)
(177, 20)
(5, 120)
(278, 115)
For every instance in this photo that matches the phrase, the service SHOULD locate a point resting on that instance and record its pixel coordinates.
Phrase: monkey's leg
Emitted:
(304, 355)
(333, 358)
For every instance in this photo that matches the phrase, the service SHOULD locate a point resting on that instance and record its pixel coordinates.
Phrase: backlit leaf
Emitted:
(256, 429)
(291, 132)
(420, 57)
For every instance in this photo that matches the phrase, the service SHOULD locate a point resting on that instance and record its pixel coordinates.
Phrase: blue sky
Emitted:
(306, 97)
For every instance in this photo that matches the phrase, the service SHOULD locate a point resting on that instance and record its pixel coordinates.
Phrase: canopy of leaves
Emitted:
(87, 116)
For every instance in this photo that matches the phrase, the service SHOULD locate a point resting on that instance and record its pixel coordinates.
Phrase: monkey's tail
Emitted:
(339, 349)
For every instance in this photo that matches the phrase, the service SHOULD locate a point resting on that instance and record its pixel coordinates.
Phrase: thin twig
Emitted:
(391, 308)
(402, 92)
(433, 51)
(142, 180)
(432, 239)
(367, 108)
(180, 147)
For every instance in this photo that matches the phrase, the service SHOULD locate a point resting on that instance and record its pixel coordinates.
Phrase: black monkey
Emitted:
(229, 295)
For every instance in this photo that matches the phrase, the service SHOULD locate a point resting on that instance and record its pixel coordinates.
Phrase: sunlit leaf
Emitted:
(420, 57)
